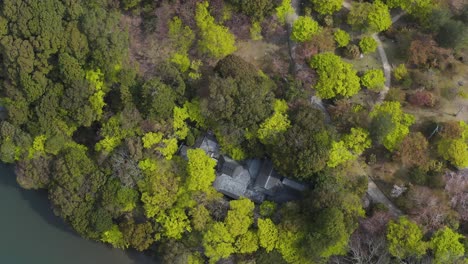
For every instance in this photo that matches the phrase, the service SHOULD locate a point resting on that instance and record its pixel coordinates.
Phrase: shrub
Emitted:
(400, 72)
(342, 38)
(352, 51)
(304, 29)
(367, 45)
(422, 98)
(373, 79)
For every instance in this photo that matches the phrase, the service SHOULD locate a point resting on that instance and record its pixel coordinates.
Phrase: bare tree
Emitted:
(368, 244)
(456, 185)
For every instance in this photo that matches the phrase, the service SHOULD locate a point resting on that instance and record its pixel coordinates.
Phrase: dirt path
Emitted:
(375, 194)
(383, 56)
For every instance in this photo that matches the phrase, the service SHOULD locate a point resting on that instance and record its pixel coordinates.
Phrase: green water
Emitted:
(31, 234)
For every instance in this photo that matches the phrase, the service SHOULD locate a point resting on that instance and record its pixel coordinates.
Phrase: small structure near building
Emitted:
(253, 178)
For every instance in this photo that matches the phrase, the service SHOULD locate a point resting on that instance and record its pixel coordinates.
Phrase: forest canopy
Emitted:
(106, 105)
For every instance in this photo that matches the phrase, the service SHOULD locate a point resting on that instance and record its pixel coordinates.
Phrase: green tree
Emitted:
(328, 235)
(400, 72)
(405, 239)
(174, 222)
(454, 150)
(373, 17)
(267, 234)
(247, 243)
(215, 40)
(420, 9)
(159, 187)
(373, 79)
(389, 124)
(138, 236)
(256, 9)
(446, 246)
(304, 28)
(201, 173)
(308, 152)
(158, 99)
(379, 18)
(277, 123)
(239, 217)
(114, 237)
(336, 77)
(284, 10)
(367, 45)
(342, 38)
(218, 242)
(327, 7)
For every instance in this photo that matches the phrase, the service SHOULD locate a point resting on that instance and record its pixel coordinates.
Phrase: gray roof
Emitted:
(294, 185)
(228, 186)
(268, 179)
(209, 144)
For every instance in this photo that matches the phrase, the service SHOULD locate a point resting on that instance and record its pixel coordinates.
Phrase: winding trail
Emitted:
(383, 56)
(373, 191)
(375, 194)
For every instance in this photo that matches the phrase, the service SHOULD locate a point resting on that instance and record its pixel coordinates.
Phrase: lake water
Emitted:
(31, 233)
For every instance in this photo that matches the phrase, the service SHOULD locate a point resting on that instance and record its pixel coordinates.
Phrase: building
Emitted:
(253, 178)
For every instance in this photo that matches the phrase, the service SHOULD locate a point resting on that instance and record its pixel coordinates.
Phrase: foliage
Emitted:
(239, 217)
(342, 38)
(446, 246)
(284, 10)
(215, 40)
(367, 45)
(217, 241)
(256, 9)
(275, 124)
(349, 148)
(304, 28)
(247, 243)
(454, 150)
(201, 173)
(373, 79)
(256, 31)
(151, 138)
(159, 187)
(413, 150)
(138, 236)
(421, 9)
(405, 239)
(308, 152)
(400, 72)
(335, 76)
(422, 98)
(181, 36)
(390, 124)
(373, 17)
(267, 208)
(267, 234)
(174, 222)
(114, 237)
(327, 7)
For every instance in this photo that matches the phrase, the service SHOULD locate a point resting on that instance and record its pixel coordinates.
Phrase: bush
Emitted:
(418, 176)
(400, 72)
(304, 29)
(352, 51)
(267, 208)
(395, 94)
(422, 98)
(368, 45)
(373, 79)
(342, 38)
